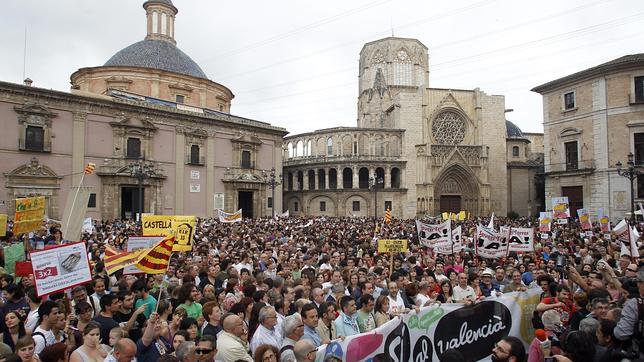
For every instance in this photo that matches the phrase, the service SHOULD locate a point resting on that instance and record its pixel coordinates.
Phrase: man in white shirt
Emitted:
(244, 264)
(43, 335)
(396, 303)
(266, 332)
(463, 293)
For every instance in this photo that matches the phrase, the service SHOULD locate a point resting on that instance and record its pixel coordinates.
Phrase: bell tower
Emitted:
(160, 16)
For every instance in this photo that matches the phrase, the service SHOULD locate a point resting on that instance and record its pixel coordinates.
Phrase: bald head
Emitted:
(303, 350)
(229, 322)
(124, 350)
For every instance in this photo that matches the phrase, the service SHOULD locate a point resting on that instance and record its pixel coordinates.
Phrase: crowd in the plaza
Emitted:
(276, 290)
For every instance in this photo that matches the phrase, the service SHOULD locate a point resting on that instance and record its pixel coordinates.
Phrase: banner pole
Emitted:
(71, 209)
(391, 264)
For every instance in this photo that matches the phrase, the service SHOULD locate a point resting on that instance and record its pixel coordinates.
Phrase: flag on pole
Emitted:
(115, 262)
(491, 224)
(89, 169)
(155, 260)
(388, 216)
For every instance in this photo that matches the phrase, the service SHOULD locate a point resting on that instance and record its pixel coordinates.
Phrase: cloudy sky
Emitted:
(294, 63)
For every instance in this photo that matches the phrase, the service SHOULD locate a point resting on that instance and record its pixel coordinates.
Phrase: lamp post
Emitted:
(141, 171)
(272, 181)
(631, 173)
(374, 183)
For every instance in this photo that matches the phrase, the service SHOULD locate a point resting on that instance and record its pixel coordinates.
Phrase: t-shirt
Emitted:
(149, 353)
(150, 305)
(107, 323)
(193, 311)
(43, 339)
(135, 332)
(566, 311)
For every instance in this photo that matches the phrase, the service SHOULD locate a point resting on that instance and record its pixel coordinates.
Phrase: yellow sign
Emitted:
(30, 211)
(164, 225)
(3, 224)
(392, 246)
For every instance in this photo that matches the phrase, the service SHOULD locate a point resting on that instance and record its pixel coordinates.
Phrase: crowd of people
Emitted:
(278, 289)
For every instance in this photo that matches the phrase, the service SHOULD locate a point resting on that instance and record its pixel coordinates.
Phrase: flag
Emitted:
(461, 216)
(631, 249)
(388, 216)
(624, 235)
(117, 261)
(491, 224)
(155, 260)
(491, 244)
(428, 235)
(89, 169)
(230, 217)
(110, 251)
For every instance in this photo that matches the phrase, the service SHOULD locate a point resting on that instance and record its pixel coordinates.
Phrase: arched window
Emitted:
(329, 146)
(290, 150)
(299, 149)
(309, 148)
(347, 178)
(515, 151)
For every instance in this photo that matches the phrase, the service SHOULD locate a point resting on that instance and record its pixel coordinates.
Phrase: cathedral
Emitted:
(417, 151)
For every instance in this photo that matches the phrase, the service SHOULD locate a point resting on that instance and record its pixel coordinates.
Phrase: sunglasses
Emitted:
(203, 350)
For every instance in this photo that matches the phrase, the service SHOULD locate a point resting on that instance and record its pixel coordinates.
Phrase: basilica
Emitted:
(416, 150)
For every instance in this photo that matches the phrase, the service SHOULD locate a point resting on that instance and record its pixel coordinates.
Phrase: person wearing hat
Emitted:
(489, 287)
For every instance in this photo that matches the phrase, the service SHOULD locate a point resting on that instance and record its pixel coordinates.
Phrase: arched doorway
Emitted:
(457, 189)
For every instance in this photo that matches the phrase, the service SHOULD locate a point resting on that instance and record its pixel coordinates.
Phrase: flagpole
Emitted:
(74, 202)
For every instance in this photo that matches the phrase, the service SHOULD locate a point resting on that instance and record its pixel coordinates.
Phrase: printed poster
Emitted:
(584, 219)
(30, 212)
(12, 254)
(521, 239)
(428, 235)
(560, 207)
(392, 246)
(545, 221)
(450, 247)
(604, 221)
(491, 244)
(60, 268)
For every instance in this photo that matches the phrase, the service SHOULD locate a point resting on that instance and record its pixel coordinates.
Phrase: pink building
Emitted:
(148, 105)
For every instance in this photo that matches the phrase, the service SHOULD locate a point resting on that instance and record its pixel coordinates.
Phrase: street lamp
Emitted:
(631, 174)
(141, 170)
(272, 181)
(374, 183)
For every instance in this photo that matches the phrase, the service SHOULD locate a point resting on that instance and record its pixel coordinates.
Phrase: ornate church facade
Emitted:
(416, 150)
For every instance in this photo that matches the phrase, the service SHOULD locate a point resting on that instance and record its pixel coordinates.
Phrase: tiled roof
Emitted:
(156, 54)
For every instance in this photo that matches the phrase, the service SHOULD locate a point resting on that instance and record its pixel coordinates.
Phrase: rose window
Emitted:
(448, 128)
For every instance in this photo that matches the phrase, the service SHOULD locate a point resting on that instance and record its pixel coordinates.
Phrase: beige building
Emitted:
(149, 104)
(592, 120)
(416, 150)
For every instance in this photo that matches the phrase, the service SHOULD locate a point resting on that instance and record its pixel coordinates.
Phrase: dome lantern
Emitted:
(160, 20)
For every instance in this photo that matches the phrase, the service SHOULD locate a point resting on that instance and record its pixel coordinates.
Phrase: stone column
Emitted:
(210, 174)
(339, 178)
(326, 179)
(356, 179)
(387, 179)
(305, 183)
(316, 184)
(179, 167)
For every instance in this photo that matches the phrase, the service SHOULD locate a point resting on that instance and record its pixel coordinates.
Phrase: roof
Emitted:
(156, 54)
(626, 61)
(164, 2)
(512, 130)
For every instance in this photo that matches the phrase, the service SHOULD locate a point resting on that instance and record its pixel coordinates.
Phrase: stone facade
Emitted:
(592, 120)
(445, 148)
(198, 157)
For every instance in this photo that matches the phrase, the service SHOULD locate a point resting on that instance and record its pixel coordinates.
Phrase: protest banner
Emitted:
(164, 225)
(631, 249)
(521, 239)
(135, 243)
(491, 244)
(88, 225)
(560, 207)
(392, 245)
(604, 221)
(3, 224)
(425, 336)
(60, 268)
(230, 217)
(584, 219)
(428, 235)
(450, 247)
(545, 220)
(12, 254)
(30, 212)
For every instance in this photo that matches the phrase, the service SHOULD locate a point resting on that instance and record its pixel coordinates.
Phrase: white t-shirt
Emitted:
(41, 343)
(32, 321)
(461, 293)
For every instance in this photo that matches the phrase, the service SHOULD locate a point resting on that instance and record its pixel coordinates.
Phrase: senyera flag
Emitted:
(155, 260)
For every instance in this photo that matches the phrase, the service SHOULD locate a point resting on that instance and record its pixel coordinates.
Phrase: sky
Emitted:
(294, 63)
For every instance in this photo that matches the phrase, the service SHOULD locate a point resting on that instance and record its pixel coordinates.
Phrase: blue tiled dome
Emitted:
(512, 130)
(156, 54)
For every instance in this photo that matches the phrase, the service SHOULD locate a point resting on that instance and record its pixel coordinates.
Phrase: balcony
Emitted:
(196, 161)
(582, 167)
(312, 160)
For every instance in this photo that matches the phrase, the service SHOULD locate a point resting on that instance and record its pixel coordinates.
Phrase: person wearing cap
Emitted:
(489, 287)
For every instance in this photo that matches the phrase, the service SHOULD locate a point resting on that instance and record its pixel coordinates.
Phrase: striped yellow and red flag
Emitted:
(388, 216)
(89, 169)
(155, 260)
(110, 251)
(116, 262)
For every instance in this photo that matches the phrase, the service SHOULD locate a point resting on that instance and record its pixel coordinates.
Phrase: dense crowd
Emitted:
(276, 290)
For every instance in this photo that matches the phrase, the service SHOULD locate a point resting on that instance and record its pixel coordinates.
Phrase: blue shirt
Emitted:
(312, 335)
(346, 325)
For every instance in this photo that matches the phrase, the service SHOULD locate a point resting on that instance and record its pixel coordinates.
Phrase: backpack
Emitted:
(286, 348)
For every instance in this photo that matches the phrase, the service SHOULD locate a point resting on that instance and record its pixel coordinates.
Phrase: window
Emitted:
(245, 159)
(269, 204)
(329, 146)
(180, 98)
(572, 155)
(569, 100)
(356, 206)
(355, 147)
(322, 205)
(639, 89)
(387, 205)
(133, 148)
(35, 138)
(515, 151)
(194, 155)
(92, 200)
(296, 206)
(638, 143)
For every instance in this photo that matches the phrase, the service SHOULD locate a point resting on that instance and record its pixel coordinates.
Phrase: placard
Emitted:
(3, 224)
(60, 268)
(560, 207)
(194, 175)
(428, 235)
(521, 239)
(135, 243)
(163, 225)
(392, 245)
(12, 254)
(491, 244)
(30, 212)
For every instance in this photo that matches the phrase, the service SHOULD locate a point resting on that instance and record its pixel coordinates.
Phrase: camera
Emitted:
(561, 261)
